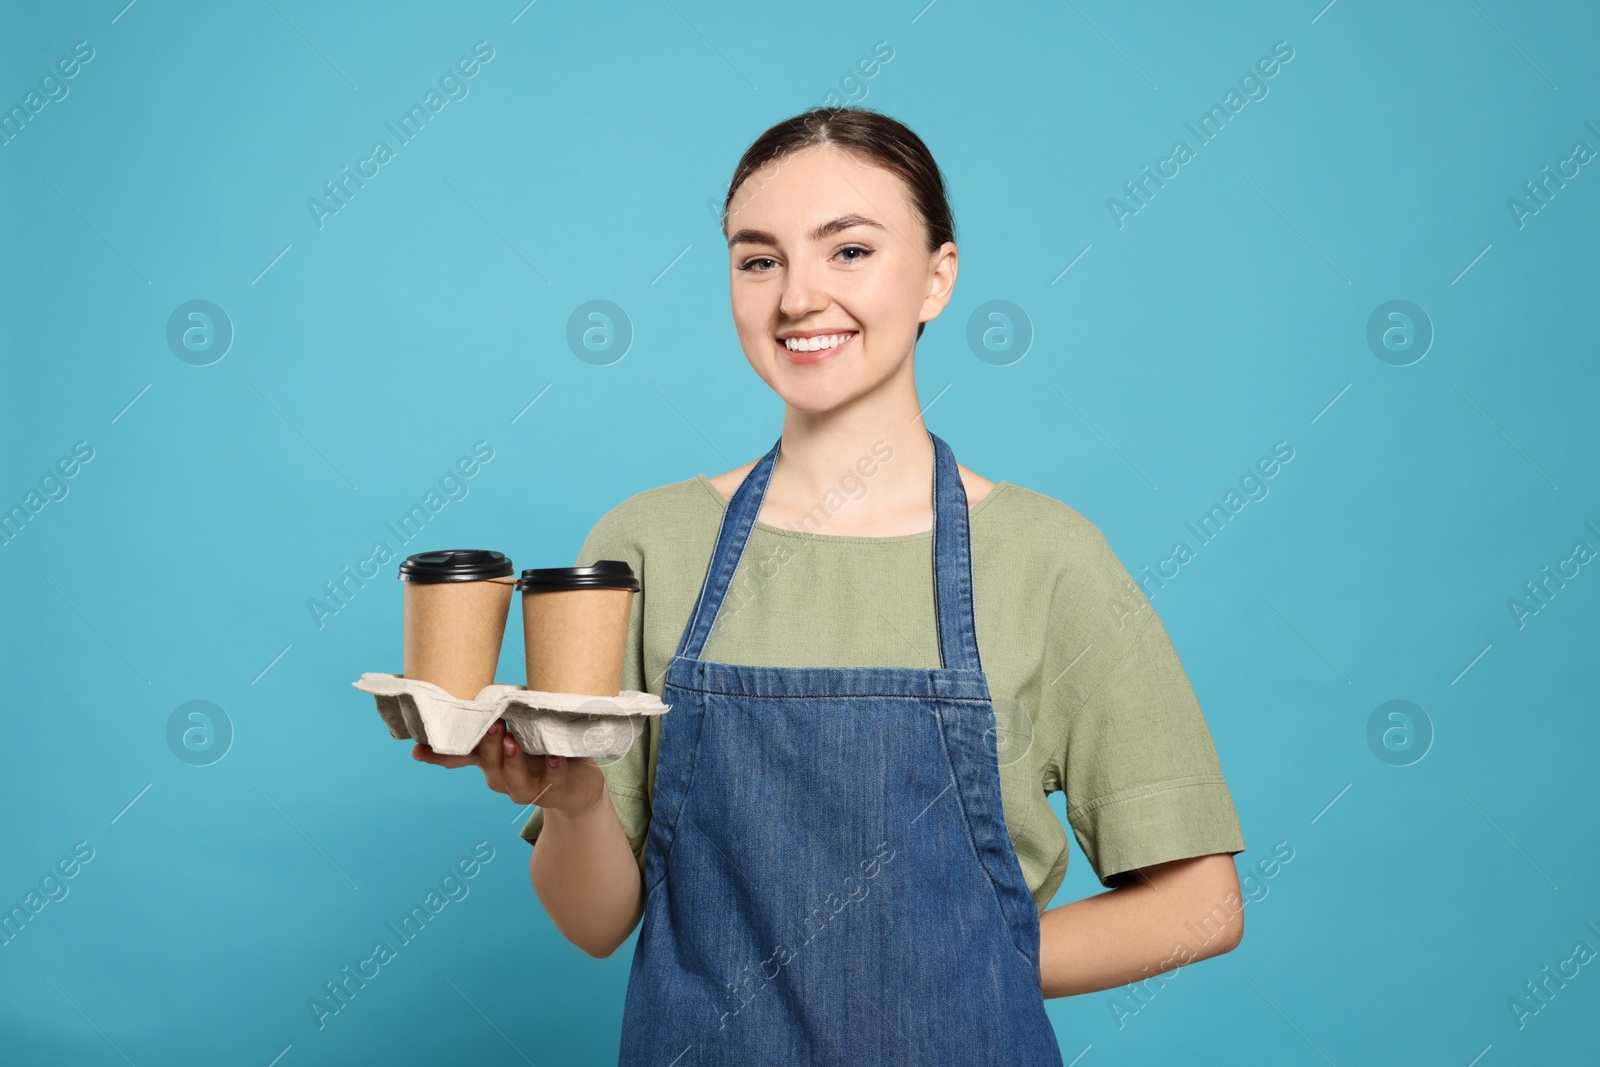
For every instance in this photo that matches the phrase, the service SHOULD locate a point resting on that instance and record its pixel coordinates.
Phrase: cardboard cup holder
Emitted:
(559, 724)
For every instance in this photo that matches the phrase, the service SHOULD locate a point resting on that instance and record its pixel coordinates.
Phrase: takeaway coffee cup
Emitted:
(575, 626)
(456, 603)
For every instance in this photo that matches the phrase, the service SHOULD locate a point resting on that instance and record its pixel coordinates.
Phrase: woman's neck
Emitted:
(864, 470)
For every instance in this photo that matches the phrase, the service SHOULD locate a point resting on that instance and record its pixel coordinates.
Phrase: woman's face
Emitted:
(823, 243)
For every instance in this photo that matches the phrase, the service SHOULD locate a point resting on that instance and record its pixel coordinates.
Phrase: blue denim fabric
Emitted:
(828, 875)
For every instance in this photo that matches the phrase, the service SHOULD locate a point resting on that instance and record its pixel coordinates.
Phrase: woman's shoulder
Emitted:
(648, 515)
(1039, 518)
(1051, 543)
(650, 501)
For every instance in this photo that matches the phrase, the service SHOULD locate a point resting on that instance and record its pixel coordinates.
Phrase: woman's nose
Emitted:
(803, 293)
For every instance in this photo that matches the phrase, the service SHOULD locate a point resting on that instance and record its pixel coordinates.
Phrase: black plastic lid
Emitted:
(604, 574)
(455, 565)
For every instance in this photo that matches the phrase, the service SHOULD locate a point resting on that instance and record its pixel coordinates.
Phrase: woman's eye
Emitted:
(748, 267)
(864, 253)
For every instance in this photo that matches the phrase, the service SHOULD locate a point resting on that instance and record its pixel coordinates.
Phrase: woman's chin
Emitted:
(811, 398)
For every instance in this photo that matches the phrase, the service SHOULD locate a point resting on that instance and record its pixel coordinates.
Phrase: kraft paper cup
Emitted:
(575, 626)
(456, 604)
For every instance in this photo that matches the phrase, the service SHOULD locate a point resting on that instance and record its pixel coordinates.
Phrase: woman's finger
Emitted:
(525, 779)
(555, 771)
(491, 758)
(426, 754)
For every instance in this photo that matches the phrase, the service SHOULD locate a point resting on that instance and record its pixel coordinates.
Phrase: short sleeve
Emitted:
(1140, 770)
(627, 778)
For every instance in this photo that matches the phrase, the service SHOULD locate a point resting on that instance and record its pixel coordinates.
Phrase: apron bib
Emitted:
(828, 875)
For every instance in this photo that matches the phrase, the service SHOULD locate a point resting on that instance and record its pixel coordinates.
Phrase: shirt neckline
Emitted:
(781, 531)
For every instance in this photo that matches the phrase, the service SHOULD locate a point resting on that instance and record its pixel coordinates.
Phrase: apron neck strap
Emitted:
(952, 559)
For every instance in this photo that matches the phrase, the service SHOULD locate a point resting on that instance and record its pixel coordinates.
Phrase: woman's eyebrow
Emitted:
(832, 226)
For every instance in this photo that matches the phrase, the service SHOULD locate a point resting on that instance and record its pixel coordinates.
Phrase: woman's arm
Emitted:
(585, 875)
(582, 866)
(1168, 914)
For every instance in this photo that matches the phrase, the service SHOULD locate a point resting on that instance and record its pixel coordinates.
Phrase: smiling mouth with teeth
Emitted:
(814, 349)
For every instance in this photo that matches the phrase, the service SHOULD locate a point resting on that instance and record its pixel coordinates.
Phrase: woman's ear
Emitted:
(942, 266)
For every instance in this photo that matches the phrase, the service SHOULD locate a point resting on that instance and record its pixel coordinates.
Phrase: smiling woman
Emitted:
(835, 692)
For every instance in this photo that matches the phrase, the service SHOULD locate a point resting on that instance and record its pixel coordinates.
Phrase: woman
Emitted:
(840, 852)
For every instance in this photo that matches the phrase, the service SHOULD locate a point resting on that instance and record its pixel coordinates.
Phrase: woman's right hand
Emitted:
(558, 783)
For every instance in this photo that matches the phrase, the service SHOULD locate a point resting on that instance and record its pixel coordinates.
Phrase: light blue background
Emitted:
(1228, 314)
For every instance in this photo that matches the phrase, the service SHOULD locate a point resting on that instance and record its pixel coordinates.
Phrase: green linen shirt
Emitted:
(1090, 697)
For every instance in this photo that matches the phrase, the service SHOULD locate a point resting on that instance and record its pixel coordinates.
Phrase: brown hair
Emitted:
(871, 135)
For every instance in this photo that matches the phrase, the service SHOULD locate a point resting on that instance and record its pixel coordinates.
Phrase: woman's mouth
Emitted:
(827, 347)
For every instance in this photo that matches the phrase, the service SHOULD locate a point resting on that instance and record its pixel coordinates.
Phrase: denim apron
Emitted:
(828, 875)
